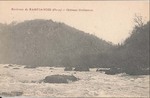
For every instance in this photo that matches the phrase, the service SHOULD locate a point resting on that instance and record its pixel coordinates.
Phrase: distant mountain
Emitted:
(48, 43)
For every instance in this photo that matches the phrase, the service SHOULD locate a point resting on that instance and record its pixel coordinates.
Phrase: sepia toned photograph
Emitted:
(74, 49)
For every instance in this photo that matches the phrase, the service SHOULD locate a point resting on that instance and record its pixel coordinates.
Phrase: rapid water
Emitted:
(91, 84)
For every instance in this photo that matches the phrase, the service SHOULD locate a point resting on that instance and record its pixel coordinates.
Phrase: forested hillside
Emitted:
(136, 48)
(133, 55)
(49, 43)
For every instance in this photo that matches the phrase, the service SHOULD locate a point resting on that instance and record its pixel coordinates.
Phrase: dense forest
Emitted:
(48, 43)
(133, 55)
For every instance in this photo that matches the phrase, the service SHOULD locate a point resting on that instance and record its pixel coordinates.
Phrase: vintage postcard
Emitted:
(74, 49)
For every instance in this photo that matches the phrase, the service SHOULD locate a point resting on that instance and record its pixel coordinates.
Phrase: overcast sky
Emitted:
(109, 20)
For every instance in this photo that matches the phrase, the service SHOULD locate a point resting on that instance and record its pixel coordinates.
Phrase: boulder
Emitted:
(68, 69)
(51, 68)
(81, 68)
(59, 79)
(16, 68)
(30, 67)
(12, 93)
(10, 65)
(6, 67)
(102, 69)
(113, 71)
